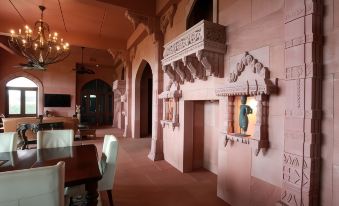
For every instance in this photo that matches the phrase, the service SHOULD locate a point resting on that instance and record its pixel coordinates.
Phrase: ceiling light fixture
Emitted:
(40, 47)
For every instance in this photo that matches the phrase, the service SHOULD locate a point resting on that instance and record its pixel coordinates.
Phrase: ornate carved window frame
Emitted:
(172, 93)
(254, 82)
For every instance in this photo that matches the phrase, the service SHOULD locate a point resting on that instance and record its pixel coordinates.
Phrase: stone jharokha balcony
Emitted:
(196, 53)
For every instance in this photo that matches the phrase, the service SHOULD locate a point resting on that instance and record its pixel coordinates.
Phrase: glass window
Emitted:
(30, 102)
(14, 101)
(22, 97)
(21, 82)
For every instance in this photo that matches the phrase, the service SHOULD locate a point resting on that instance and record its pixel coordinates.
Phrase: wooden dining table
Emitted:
(81, 165)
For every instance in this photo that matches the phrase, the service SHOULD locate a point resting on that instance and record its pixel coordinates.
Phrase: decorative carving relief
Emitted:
(249, 78)
(167, 18)
(119, 87)
(137, 19)
(255, 81)
(171, 105)
(200, 50)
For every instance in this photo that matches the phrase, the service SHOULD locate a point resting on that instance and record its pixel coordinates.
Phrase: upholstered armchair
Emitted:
(107, 166)
(55, 138)
(35, 186)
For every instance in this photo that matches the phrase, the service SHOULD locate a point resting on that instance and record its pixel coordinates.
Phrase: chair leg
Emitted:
(110, 198)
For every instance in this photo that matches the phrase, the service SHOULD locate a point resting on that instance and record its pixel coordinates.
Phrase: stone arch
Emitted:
(136, 103)
(37, 81)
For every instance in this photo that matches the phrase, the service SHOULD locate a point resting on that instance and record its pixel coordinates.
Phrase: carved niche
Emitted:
(250, 78)
(196, 53)
(171, 97)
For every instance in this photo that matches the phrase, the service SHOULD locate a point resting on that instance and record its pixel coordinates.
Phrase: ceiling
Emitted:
(88, 23)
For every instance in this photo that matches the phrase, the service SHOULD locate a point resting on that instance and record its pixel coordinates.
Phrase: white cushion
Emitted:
(8, 141)
(32, 187)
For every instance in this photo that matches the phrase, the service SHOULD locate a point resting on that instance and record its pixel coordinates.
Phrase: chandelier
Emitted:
(39, 46)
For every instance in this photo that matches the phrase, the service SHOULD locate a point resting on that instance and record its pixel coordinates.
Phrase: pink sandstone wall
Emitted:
(243, 178)
(145, 52)
(330, 121)
(59, 78)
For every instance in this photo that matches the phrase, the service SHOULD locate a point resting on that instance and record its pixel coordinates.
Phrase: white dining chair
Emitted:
(8, 141)
(107, 166)
(32, 187)
(55, 138)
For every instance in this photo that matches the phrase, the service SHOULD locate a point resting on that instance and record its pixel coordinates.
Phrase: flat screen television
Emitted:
(57, 100)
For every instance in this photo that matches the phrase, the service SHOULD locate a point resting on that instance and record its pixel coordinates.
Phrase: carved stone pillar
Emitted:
(128, 97)
(119, 88)
(156, 152)
(301, 163)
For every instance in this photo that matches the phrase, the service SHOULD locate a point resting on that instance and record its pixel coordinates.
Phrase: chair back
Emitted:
(32, 187)
(108, 162)
(55, 138)
(8, 141)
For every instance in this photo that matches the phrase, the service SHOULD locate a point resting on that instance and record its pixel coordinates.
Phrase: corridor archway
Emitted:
(96, 103)
(143, 100)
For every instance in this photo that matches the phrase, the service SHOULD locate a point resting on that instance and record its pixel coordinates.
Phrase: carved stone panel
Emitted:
(171, 97)
(200, 50)
(250, 78)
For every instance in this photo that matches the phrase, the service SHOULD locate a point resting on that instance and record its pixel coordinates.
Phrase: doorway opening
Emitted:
(201, 122)
(96, 103)
(146, 88)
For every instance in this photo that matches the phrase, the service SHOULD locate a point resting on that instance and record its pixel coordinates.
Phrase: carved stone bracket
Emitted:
(249, 78)
(137, 19)
(171, 112)
(167, 18)
(196, 53)
(119, 86)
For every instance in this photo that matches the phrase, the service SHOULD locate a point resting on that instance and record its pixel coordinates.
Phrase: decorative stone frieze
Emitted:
(167, 18)
(249, 78)
(171, 105)
(196, 53)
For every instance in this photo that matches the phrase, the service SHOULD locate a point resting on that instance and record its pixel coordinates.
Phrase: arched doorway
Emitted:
(96, 103)
(21, 97)
(143, 101)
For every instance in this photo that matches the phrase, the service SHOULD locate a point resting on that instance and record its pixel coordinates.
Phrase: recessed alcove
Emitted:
(170, 98)
(249, 78)
(252, 103)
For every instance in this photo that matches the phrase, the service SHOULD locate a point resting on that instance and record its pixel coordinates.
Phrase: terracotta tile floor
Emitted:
(142, 182)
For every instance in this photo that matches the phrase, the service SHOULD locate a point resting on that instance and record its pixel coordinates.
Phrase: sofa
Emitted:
(11, 124)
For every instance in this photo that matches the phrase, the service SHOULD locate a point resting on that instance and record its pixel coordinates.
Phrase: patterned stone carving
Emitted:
(137, 19)
(171, 94)
(200, 49)
(250, 78)
(255, 80)
(301, 161)
(167, 18)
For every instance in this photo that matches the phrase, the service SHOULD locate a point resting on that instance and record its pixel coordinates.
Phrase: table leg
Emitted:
(92, 193)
